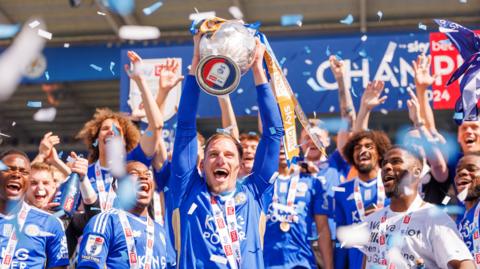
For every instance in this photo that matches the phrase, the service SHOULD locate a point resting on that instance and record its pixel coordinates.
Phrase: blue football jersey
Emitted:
(292, 248)
(41, 243)
(346, 213)
(104, 244)
(467, 228)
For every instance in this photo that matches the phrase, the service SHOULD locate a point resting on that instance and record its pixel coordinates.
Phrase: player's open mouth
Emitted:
(40, 195)
(220, 174)
(470, 140)
(13, 188)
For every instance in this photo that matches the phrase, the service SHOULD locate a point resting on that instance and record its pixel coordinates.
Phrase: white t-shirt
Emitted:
(430, 234)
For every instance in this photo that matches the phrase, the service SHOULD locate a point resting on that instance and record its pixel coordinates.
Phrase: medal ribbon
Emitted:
(292, 191)
(106, 198)
(227, 231)
(7, 256)
(157, 207)
(403, 227)
(129, 239)
(476, 235)
(357, 196)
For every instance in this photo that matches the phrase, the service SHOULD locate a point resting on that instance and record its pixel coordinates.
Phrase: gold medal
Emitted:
(284, 226)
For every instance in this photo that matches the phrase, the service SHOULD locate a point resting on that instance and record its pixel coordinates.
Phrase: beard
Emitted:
(365, 169)
(473, 194)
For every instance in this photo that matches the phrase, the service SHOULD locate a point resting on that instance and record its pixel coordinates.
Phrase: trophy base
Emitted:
(218, 75)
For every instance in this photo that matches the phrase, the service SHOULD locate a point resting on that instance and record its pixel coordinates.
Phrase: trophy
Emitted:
(225, 55)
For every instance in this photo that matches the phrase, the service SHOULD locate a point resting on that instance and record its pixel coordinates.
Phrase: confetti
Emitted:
(4, 135)
(115, 130)
(399, 103)
(34, 24)
(3, 167)
(462, 195)
(122, 7)
(292, 19)
(306, 73)
(331, 109)
(254, 108)
(149, 133)
(353, 92)
(308, 61)
(313, 84)
(101, 13)
(362, 53)
(353, 235)
(395, 69)
(8, 30)
(95, 143)
(240, 91)
(271, 129)
(247, 110)
(44, 34)
(137, 32)
(112, 64)
(66, 45)
(422, 26)
(347, 20)
(380, 15)
(45, 114)
(152, 8)
(333, 125)
(34, 104)
(283, 60)
(96, 67)
(125, 196)
(14, 123)
(384, 111)
(236, 12)
(116, 156)
(47, 75)
(386, 90)
(307, 49)
(364, 38)
(60, 154)
(338, 189)
(463, 1)
(355, 65)
(445, 200)
(327, 51)
(198, 16)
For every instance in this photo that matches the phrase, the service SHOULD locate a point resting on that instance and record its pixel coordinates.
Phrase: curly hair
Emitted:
(379, 138)
(91, 129)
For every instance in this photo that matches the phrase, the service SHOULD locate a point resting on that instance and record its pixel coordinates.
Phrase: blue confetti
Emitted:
(47, 75)
(292, 19)
(362, 53)
(60, 154)
(402, 90)
(353, 92)
(247, 110)
(327, 51)
(149, 10)
(95, 143)
(306, 73)
(356, 79)
(3, 167)
(272, 130)
(96, 67)
(149, 133)
(122, 7)
(125, 196)
(307, 50)
(8, 30)
(458, 116)
(333, 125)
(34, 104)
(115, 130)
(282, 61)
(240, 91)
(347, 20)
(112, 65)
(422, 26)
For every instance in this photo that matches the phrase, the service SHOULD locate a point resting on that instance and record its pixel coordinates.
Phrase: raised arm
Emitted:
(184, 159)
(268, 150)
(347, 109)
(48, 154)
(167, 81)
(149, 139)
(423, 80)
(435, 158)
(228, 116)
(370, 99)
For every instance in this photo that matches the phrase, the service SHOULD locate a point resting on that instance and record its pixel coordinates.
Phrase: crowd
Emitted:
(233, 200)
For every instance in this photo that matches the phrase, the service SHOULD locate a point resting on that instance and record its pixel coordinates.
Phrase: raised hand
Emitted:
(337, 67)
(47, 145)
(168, 75)
(371, 97)
(79, 165)
(421, 69)
(134, 71)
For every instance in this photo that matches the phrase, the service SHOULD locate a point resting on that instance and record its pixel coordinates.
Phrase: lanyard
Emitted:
(106, 199)
(291, 193)
(7, 256)
(227, 230)
(358, 196)
(476, 235)
(403, 228)
(157, 208)
(131, 248)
